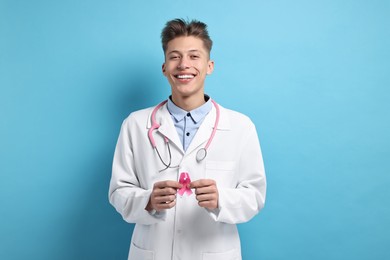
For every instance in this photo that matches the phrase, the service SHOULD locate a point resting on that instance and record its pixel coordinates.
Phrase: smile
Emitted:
(185, 76)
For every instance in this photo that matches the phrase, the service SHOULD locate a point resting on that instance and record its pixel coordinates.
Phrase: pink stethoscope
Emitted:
(200, 155)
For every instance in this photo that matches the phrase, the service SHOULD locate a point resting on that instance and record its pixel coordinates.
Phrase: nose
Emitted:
(183, 64)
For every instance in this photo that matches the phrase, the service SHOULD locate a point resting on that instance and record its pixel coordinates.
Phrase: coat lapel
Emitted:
(204, 132)
(167, 128)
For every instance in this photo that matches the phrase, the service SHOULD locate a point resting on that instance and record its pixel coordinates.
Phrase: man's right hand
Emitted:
(163, 195)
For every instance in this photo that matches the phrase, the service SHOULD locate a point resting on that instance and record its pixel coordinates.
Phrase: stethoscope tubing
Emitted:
(200, 155)
(215, 125)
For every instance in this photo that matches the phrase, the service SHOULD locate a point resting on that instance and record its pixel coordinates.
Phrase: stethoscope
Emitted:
(202, 152)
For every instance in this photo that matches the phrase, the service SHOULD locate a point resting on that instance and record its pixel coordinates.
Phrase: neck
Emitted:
(189, 103)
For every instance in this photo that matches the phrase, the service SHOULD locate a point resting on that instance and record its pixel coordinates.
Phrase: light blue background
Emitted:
(313, 76)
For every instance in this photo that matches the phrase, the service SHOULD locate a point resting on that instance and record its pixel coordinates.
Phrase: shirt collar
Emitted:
(197, 114)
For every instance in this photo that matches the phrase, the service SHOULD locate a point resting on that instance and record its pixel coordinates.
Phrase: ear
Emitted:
(163, 68)
(210, 67)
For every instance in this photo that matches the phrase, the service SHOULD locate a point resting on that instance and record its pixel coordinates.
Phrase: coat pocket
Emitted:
(233, 254)
(223, 172)
(137, 253)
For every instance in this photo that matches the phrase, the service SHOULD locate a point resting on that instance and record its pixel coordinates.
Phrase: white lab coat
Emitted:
(187, 231)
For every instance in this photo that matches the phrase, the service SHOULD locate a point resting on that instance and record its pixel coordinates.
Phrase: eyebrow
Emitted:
(190, 51)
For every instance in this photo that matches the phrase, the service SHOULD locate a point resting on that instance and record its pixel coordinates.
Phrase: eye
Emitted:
(175, 57)
(194, 57)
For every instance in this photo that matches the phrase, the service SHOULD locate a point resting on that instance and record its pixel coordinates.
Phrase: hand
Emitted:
(206, 193)
(163, 195)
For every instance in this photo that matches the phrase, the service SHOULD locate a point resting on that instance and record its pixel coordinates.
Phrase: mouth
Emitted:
(185, 77)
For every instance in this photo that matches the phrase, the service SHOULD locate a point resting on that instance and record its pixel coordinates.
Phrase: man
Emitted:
(187, 171)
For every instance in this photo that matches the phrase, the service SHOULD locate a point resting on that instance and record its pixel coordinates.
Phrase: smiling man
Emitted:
(187, 170)
(187, 63)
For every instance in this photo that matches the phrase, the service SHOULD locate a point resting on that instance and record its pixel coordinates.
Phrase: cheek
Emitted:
(199, 66)
(170, 67)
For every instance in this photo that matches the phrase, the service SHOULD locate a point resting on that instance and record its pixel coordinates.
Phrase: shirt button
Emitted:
(188, 114)
(188, 134)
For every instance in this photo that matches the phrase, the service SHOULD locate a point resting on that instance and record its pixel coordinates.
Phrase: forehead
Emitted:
(185, 44)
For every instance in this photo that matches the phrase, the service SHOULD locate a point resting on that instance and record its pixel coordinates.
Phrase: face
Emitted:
(186, 65)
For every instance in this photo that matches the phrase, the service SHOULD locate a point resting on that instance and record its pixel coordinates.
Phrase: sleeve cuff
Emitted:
(158, 214)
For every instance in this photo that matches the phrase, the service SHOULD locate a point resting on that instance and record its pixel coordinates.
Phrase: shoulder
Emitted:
(240, 125)
(235, 117)
(142, 113)
(138, 117)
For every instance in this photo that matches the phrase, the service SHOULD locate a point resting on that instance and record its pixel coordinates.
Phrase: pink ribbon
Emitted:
(185, 181)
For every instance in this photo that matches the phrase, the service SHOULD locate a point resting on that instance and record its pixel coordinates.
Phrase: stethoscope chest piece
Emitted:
(201, 154)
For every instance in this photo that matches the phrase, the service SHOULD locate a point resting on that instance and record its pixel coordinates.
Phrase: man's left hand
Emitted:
(206, 193)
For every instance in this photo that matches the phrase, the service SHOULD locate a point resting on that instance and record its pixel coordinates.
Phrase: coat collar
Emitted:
(167, 128)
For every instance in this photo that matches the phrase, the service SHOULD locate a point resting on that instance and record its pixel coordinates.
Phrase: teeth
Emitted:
(185, 76)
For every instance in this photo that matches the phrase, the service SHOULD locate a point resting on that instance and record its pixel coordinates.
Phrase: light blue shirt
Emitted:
(187, 122)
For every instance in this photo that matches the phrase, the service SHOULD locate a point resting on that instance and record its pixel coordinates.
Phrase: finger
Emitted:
(162, 206)
(206, 190)
(168, 184)
(208, 204)
(201, 183)
(164, 191)
(206, 197)
(165, 199)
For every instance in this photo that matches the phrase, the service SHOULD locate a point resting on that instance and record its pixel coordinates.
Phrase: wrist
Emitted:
(149, 206)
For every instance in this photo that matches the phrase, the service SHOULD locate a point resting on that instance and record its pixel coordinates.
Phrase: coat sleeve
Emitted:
(125, 193)
(240, 204)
